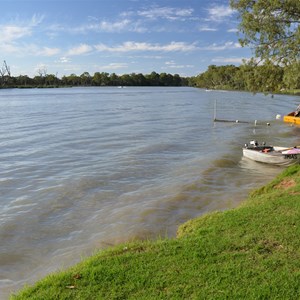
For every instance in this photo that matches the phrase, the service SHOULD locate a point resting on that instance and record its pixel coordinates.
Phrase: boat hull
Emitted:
(274, 157)
(290, 118)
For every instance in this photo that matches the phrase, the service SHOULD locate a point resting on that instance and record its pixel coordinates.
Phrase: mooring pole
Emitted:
(215, 110)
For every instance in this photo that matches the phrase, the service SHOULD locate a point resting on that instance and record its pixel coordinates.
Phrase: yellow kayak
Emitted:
(290, 118)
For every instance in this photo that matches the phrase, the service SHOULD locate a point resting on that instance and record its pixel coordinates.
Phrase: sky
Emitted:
(64, 37)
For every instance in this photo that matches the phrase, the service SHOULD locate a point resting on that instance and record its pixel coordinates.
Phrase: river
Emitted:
(86, 168)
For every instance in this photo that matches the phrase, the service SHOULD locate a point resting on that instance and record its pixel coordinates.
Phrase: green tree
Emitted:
(140, 79)
(85, 79)
(245, 78)
(105, 78)
(267, 77)
(101, 79)
(72, 80)
(177, 81)
(126, 80)
(4, 74)
(114, 79)
(153, 78)
(51, 79)
(271, 27)
(23, 80)
(39, 80)
(291, 77)
(165, 80)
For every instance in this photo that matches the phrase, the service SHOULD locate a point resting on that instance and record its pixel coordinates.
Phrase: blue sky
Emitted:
(62, 37)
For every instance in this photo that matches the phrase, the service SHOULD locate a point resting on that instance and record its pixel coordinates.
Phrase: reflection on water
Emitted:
(83, 169)
(257, 169)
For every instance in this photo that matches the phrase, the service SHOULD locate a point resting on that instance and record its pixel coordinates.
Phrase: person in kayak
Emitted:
(297, 111)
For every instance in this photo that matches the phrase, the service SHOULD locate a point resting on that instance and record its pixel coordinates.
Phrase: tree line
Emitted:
(85, 79)
(267, 78)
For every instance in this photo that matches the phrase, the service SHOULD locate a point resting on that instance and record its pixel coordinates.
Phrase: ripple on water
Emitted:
(87, 168)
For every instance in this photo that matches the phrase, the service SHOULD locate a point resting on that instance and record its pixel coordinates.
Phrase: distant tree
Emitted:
(23, 80)
(153, 78)
(38, 80)
(126, 80)
(178, 81)
(105, 78)
(140, 79)
(291, 77)
(85, 79)
(101, 79)
(72, 80)
(165, 79)
(4, 73)
(42, 72)
(96, 80)
(51, 79)
(114, 79)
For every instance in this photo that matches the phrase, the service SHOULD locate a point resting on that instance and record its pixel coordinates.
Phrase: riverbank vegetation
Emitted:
(268, 78)
(250, 77)
(251, 252)
(43, 79)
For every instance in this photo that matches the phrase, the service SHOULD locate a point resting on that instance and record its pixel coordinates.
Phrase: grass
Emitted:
(251, 252)
(291, 92)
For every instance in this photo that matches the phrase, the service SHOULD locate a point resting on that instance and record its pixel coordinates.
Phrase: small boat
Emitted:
(280, 156)
(290, 118)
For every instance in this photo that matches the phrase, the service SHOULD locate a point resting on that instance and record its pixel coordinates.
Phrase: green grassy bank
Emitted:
(251, 252)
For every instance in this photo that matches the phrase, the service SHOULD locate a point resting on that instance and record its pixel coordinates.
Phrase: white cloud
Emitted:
(73, 68)
(206, 28)
(103, 26)
(228, 60)
(218, 13)
(25, 49)
(114, 66)
(136, 46)
(119, 26)
(172, 64)
(81, 49)
(232, 30)
(226, 46)
(14, 33)
(151, 56)
(46, 51)
(64, 59)
(8, 48)
(92, 18)
(113, 27)
(36, 20)
(11, 33)
(169, 13)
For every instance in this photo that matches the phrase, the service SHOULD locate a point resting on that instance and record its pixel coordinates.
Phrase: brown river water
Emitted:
(86, 168)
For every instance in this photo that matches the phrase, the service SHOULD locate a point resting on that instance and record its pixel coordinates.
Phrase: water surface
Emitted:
(85, 168)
